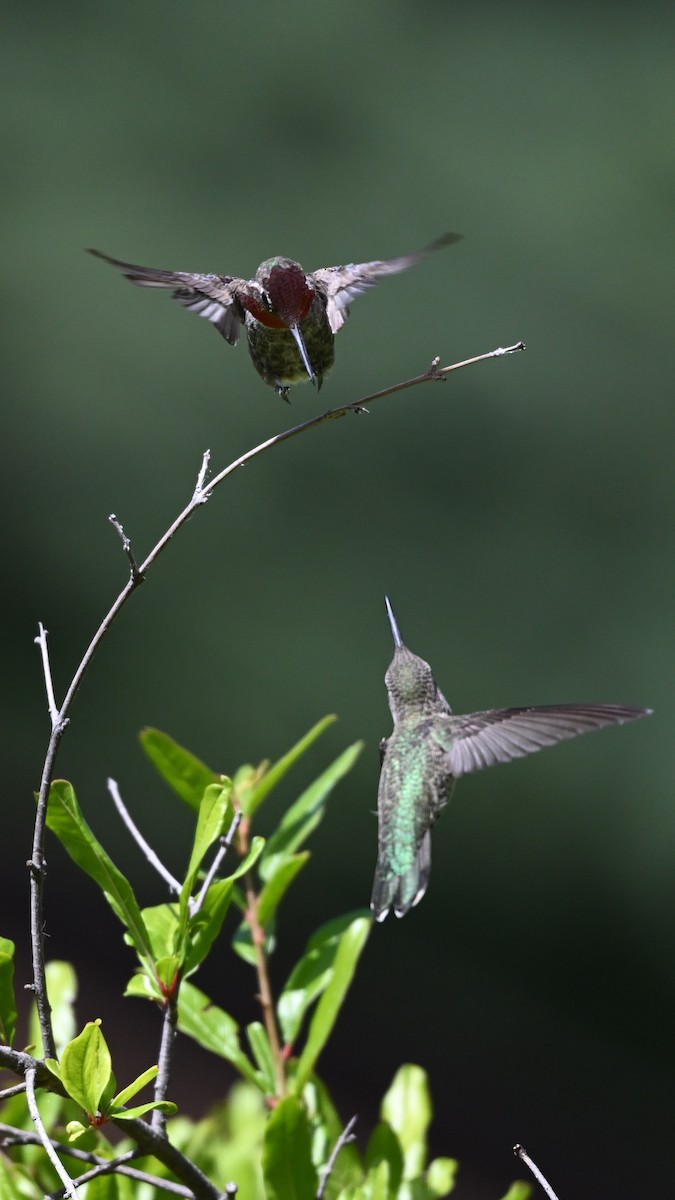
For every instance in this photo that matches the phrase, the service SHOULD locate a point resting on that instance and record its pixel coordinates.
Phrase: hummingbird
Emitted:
(430, 747)
(290, 317)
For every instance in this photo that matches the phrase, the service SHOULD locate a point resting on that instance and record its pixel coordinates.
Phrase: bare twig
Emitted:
(521, 1153)
(69, 1186)
(225, 843)
(126, 546)
(201, 494)
(264, 988)
(7, 1093)
(41, 641)
(116, 1166)
(199, 486)
(164, 1061)
(108, 1168)
(136, 834)
(344, 1139)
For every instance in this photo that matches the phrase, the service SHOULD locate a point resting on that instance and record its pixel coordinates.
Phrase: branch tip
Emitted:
(521, 1153)
(136, 574)
(136, 834)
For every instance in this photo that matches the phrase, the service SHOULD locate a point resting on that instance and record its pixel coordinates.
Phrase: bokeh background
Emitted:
(520, 516)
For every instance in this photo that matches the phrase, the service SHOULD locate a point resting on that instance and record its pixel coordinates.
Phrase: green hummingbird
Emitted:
(430, 747)
(290, 318)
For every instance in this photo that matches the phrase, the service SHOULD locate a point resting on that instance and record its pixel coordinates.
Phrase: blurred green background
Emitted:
(520, 515)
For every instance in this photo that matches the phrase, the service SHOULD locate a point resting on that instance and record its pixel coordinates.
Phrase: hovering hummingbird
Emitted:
(430, 747)
(290, 318)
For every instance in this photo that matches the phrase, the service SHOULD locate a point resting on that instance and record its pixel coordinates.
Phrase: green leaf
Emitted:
(518, 1191)
(116, 1187)
(66, 821)
(62, 994)
(206, 924)
(377, 1184)
(86, 1067)
(17, 1180)
(384, 1147)
(441, 1176)
(327, 1127)
(276, 886)
(407, 1108)
(288, 1169)
(310, 977)
(351, 944)
(165, 1106)
(75, 1129)
(144, 987)
(161, 923)
(252, 799)
(262, 1053)
(214, 810)
(214, 1029)
(8, 1012)
(302, 818)
(185, 774)
(133, 1088)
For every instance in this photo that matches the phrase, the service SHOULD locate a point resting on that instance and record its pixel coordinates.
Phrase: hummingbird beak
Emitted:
(398, 640)
(299, 341)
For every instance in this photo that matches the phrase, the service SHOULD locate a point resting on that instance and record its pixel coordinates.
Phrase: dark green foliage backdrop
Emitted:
(520, 515)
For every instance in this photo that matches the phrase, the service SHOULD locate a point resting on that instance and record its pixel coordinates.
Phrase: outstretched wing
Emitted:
(341, 285)
(210, 296)
(486, 738)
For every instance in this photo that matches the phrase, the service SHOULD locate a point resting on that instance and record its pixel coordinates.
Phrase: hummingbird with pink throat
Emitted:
(290, 317)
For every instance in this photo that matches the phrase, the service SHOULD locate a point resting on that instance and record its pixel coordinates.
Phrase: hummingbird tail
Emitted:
(402, 892)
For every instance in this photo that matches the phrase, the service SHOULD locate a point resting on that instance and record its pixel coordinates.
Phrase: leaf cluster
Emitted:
(277, 1134)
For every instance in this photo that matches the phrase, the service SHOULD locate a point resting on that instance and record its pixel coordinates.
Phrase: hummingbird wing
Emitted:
(484, 739)
(210, 296)
(341, 285)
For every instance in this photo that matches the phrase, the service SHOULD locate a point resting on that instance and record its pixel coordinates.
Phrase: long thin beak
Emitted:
(299, 341)
(398, 640)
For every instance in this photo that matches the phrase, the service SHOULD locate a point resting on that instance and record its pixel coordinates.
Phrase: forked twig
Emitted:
(344, 1139)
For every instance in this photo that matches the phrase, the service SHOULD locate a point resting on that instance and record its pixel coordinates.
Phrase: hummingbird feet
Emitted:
(282, 391)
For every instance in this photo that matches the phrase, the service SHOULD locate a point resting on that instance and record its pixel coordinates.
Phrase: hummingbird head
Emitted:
(285, 301)
(287, 296)
(411, 686)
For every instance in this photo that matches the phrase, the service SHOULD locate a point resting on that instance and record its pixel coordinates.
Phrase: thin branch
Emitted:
(434, 373)
(264, 988)
(199, 486)
(225, 844)
(164, 1061)
(69, 1186)
(126, 546)
(344, 1139)
(201, 494)
(109, 1167)
(136, 834)
(41, 641)
(7, 1093)
(521, 1153)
